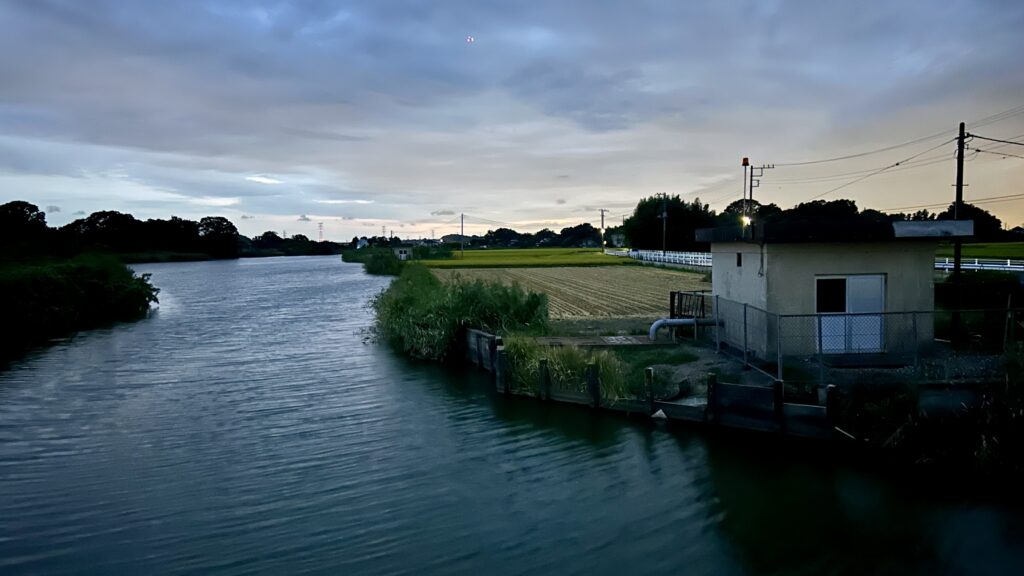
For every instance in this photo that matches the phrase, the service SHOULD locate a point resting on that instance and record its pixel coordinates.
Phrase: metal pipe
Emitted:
(662, 323)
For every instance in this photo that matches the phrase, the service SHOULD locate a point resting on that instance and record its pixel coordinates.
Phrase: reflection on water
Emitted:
(246, 427)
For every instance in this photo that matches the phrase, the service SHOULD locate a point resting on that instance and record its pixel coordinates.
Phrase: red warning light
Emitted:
(746, 162)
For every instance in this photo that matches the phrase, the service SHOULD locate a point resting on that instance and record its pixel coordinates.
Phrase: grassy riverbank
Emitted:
(45, 299)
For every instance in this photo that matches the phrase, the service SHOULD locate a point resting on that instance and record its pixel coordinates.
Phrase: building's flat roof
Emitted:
(806, 231)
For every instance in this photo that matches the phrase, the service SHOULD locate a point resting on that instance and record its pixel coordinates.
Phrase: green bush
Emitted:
(383, 264)
(425, 318)
(42, 301)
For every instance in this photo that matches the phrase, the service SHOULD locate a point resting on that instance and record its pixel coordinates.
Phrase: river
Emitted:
(247, 426)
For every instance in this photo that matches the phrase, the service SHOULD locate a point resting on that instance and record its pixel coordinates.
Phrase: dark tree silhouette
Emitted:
(218, 237)
(986, 225)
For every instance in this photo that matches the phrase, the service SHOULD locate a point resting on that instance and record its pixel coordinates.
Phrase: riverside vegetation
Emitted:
(426, 318)
(41, 300)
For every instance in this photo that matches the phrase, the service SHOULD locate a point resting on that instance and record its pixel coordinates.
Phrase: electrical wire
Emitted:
(988, 200)
(997, 140)
(998, 117)
(1003, 154)
(879, 171)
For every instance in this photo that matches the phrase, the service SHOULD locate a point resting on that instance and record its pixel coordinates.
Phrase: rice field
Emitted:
(594, 292)
(528, 257)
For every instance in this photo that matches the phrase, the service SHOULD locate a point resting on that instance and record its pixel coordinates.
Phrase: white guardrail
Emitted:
(703, 260)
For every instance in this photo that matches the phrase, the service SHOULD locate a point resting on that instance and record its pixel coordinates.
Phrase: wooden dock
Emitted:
(760, 408)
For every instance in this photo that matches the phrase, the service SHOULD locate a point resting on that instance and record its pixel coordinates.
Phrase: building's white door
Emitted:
(837, 298)
(865, 295)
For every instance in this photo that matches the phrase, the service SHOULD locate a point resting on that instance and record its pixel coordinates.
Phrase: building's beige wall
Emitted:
(908, 266)
(909, 270)
(737, 285)
(741, 284)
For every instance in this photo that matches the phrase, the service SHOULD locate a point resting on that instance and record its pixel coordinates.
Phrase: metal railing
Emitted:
(703, 260)
(821, 349)
(696, 259)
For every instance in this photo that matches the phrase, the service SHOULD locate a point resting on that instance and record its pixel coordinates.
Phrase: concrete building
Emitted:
(403, 252)
(827, 288)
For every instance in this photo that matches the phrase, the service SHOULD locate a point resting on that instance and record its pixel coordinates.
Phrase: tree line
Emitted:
(579, 236)
(25, 233)
(644, 228)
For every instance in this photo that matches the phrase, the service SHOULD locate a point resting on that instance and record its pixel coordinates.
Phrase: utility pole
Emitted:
(958, 209)
(755, 179)
(958, 206)
(462, 235)
(602, 211)
(320, 229)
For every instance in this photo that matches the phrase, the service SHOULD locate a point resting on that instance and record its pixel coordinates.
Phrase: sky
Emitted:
(404, 114)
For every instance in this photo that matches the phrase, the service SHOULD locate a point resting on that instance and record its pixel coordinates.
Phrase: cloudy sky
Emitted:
(405, 113)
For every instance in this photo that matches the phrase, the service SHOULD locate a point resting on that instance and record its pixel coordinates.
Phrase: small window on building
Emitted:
(831, 296)
(739, 259)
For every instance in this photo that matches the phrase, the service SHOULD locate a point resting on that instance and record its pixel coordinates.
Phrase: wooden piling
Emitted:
(501, 379)
(593, 385)
(649, 388)
(711, 411)
(544, 385)
(831, 404)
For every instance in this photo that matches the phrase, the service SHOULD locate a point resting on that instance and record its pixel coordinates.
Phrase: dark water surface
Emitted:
(247, 428)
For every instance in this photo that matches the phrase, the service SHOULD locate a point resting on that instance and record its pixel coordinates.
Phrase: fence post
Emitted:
(831, 404)
(479, 351)
(917, 339)
(718, 325)
(777, 392)
(544, 386)
(778, 346)
(745, 363)
(593, 385)
(649, 388)
(711, 410)
(821, 356)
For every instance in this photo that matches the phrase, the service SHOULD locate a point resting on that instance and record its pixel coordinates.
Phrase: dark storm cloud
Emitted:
(303, 218)
(52, 209)
(443, 213)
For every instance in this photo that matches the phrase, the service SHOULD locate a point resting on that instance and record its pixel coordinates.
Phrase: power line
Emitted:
(977, 123)
(842, 176)
(987, 200)
(1004, 154)
(996, 140)
(879, 171)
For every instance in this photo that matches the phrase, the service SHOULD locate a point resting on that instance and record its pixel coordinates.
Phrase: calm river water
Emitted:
(247, 427)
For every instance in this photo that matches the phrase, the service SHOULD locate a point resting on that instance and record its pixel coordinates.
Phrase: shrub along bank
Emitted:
(424, 317)
(40, 301)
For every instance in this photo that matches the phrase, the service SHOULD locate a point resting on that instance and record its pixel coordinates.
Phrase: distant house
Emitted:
(826, 288)
(1017, 230)
(403, 252)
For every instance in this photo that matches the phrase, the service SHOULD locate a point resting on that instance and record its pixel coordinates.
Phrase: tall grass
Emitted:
(567, 368)
(45, 300)
(425, 318)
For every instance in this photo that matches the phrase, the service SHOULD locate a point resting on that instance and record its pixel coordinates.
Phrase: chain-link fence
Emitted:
(809, 351)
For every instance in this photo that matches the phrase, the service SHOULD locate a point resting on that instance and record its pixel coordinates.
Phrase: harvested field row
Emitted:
(598, 292)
